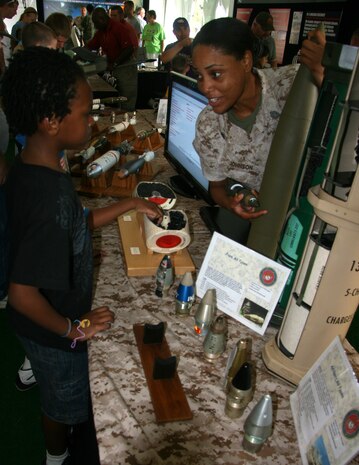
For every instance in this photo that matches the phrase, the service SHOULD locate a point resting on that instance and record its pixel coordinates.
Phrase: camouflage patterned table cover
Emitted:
(127, 432)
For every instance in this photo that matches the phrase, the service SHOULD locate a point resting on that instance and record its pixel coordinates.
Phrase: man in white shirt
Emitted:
(140, 14)
(129, 10)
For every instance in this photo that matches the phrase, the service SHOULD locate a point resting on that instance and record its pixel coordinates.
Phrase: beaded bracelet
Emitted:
(69, 327)
(81, 324)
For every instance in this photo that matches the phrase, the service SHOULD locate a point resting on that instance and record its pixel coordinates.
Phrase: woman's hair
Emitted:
(229, 35)
(39, 83)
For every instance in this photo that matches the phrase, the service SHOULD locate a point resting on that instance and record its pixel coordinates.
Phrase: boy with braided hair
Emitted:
(47, 98)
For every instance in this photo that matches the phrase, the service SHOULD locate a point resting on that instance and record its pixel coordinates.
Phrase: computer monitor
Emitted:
(185, 102)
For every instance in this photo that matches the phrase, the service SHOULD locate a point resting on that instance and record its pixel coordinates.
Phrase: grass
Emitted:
(21, 440)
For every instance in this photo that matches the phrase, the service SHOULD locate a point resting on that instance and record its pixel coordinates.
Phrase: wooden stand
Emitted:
(139, 260)
(168, 398)
(152, 142)
(115, 138)
(109, 183)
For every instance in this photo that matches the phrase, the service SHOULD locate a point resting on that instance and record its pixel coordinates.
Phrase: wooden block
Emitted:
(101, 182)
(153, 334)
(152, 142)
(109, 183)
(167, 395)
(117, 137)
(137, 259)
(128, 183)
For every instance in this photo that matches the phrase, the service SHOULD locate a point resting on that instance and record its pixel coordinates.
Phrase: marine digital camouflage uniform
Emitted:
(228, 151)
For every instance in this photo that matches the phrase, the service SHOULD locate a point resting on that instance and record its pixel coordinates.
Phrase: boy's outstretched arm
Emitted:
(102, 216)
(31, 303)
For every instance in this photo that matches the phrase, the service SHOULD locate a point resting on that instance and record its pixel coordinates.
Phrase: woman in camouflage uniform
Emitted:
(234, 132)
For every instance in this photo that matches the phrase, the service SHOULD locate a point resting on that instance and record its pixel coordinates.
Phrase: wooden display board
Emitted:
(109, 183)
(167, 395)
(140, 261)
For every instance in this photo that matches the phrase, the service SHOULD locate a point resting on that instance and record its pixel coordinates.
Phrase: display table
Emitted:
(101, 88)
(127, 432)
(152, 84)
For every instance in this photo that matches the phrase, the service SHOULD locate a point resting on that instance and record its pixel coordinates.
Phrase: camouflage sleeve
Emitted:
(209, 143)
(285, 76)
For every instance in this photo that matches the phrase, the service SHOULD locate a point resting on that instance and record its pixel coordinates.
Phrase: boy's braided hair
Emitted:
(39, 83)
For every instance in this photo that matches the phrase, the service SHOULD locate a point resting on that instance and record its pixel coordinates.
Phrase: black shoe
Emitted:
(28, 384)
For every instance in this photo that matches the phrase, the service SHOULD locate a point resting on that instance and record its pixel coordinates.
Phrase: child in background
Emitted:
(61, 26)
(28, 16)
(38, 34)
(47, 98)
(179, 64)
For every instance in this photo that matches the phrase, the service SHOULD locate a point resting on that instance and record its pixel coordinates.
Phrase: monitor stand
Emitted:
(182, 187)
(226, 223)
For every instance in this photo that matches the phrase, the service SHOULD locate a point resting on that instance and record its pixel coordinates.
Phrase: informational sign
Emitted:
(244, 14)
(295, 29)
(330, 19)
(280, 23)
(325, 410)
(248, 285)
(162, 112)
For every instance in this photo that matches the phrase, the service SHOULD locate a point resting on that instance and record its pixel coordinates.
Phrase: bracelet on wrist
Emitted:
(69, 327)
(80, 324)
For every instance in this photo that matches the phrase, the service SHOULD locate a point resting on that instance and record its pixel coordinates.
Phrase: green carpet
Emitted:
(21, 440)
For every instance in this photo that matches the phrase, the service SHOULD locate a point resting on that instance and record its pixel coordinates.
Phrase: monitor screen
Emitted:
(185, 102)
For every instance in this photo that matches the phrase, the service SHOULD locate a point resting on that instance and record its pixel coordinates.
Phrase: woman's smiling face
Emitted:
(221, 77)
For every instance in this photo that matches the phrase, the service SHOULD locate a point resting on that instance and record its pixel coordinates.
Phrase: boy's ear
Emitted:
(50, 125)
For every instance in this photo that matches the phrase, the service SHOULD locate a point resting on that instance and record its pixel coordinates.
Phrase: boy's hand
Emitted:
(150, 209)
(100, 319)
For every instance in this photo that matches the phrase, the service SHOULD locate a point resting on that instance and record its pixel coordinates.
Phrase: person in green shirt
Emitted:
(153, 36)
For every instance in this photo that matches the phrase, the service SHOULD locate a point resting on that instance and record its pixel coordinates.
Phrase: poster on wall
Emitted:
(280, 23)
(330, 19)
(295, 29)
(244, 14)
